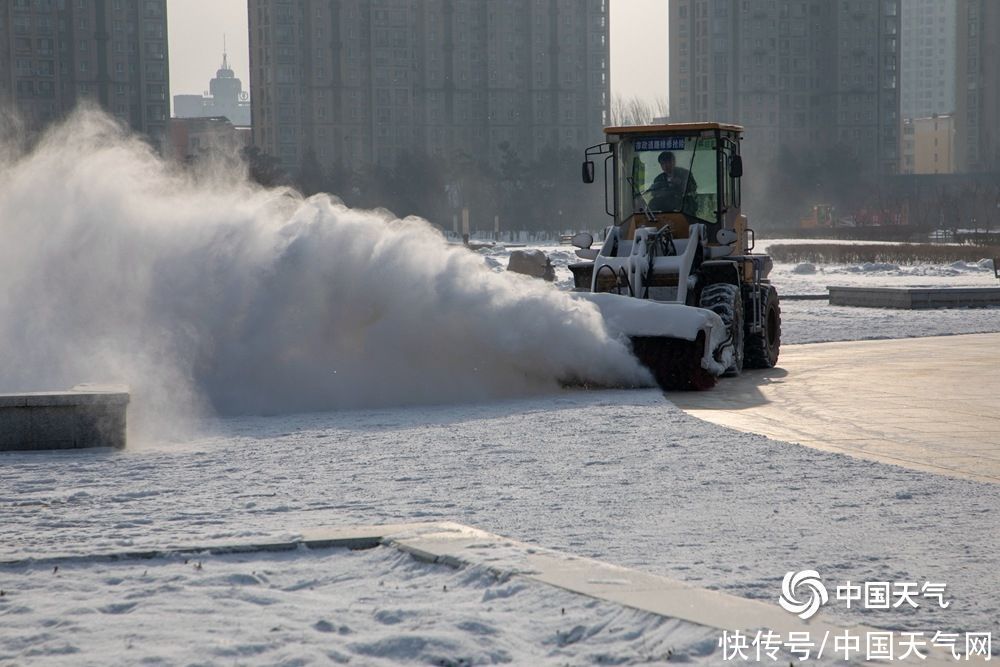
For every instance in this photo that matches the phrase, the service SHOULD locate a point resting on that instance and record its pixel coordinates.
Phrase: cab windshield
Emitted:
(669, 174)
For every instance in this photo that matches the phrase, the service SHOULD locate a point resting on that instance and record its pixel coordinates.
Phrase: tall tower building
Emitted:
(800, 75)
(226, 98)
(927, 65)
(55, 54)
(977, 104)
(362, 82)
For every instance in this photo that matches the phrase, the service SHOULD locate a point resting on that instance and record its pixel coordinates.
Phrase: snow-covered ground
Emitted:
(818, 322)
(622, 476)
(808, 278)
(374, 607)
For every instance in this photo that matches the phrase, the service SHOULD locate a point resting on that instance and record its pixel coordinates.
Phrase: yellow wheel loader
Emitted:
(676, 272)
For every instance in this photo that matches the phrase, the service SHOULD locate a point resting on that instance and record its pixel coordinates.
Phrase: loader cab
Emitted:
(676, 174)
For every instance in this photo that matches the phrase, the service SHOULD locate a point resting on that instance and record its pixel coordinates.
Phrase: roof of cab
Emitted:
(667, 128)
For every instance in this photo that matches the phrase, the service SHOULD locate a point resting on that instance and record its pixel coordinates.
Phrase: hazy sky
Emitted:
(638, 44)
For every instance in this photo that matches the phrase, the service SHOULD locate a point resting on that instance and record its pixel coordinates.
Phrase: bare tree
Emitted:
(637, 110)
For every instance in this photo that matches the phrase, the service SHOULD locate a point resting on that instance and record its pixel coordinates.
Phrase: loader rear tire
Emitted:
(762, 348)
(726, 301)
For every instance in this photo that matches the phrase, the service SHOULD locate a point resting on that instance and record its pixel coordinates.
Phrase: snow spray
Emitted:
(202, 291)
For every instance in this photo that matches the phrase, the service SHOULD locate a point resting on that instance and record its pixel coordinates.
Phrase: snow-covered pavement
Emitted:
(819, 322)
(621, 476)
(374, 607)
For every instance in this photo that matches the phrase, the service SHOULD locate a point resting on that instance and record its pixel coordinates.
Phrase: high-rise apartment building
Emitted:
(363, 82)
(801, 75)
(927, 65)
(55, 54)
(977, 103)
(928, 145)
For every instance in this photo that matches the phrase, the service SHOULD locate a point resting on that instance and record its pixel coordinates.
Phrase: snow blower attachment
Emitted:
(676, 273)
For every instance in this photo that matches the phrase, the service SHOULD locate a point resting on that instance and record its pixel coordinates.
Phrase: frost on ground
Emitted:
(334, 606)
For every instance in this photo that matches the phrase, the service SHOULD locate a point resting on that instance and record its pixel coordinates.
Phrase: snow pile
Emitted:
(873, 267)
(805, 268)
(202, 288)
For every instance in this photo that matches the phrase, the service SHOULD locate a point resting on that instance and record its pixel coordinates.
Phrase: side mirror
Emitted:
(588, 172)
(583, 240)
(736, 166)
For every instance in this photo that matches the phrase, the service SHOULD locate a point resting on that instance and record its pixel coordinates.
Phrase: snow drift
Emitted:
(202, 289)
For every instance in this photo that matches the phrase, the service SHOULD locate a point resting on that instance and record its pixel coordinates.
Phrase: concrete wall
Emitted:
(915, 298)
(63, 420)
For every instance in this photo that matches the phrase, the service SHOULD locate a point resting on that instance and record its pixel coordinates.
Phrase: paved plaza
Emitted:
(930, 404)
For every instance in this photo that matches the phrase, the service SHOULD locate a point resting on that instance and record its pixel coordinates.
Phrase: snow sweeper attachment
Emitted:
(676, 273)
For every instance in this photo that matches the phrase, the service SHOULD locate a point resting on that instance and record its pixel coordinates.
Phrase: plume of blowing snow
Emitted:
(209, 291)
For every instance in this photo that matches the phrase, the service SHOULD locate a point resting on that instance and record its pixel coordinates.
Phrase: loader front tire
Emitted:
(762, 348)
(726, 301)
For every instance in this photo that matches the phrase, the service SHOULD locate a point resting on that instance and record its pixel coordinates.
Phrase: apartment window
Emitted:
(153, 9)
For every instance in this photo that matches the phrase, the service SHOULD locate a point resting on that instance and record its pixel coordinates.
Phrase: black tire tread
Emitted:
(724, 299)
(755, 349)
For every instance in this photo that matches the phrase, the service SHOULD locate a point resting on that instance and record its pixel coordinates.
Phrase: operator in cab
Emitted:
(671, 186)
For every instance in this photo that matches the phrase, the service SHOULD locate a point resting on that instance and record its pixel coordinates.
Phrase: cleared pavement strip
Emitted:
(931, 404)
